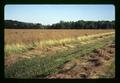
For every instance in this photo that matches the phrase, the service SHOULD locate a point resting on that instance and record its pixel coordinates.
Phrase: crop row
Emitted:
(38, 66)
(13, 48)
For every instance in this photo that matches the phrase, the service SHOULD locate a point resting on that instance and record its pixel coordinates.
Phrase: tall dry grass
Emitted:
(13, 36)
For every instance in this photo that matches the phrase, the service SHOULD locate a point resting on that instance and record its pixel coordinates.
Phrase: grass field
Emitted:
(63, 54)
(13, 36)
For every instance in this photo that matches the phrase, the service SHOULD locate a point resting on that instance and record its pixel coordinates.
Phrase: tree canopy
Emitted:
(80, 24)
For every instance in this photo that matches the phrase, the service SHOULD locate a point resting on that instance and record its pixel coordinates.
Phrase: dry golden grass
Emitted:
(13, 36)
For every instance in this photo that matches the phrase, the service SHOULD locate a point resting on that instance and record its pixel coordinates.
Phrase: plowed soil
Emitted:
(89, 66)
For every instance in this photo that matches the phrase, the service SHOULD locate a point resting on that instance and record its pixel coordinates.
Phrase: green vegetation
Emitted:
(80, 24)
(37, 66)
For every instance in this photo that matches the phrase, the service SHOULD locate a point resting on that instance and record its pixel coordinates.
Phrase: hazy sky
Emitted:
(48, 14)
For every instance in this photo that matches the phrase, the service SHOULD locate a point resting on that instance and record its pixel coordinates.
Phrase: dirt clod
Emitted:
(83, 75)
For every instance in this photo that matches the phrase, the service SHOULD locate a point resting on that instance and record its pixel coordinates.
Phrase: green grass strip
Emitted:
(47, 65)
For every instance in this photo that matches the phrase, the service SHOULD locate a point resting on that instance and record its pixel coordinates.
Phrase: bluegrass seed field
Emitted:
(59, 54)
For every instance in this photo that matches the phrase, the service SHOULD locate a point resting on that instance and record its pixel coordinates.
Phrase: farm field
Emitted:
(64, 54)
(29, 35)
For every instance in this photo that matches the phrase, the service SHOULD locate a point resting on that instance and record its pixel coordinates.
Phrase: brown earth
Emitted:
(87, 67)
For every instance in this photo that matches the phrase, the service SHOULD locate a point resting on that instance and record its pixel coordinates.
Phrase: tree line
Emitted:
(80, 24)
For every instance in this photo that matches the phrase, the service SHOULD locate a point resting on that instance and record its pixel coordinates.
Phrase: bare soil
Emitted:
(89, 66)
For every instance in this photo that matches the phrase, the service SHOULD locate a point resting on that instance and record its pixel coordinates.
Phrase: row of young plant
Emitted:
(37, 66)
(18, 48)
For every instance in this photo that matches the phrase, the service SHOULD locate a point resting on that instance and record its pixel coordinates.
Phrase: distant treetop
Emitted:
(80, 24)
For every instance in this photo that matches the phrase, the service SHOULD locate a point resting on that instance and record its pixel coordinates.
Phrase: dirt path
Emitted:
(89, 66)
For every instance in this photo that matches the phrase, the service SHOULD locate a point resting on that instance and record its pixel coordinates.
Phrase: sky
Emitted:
(49, 14)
